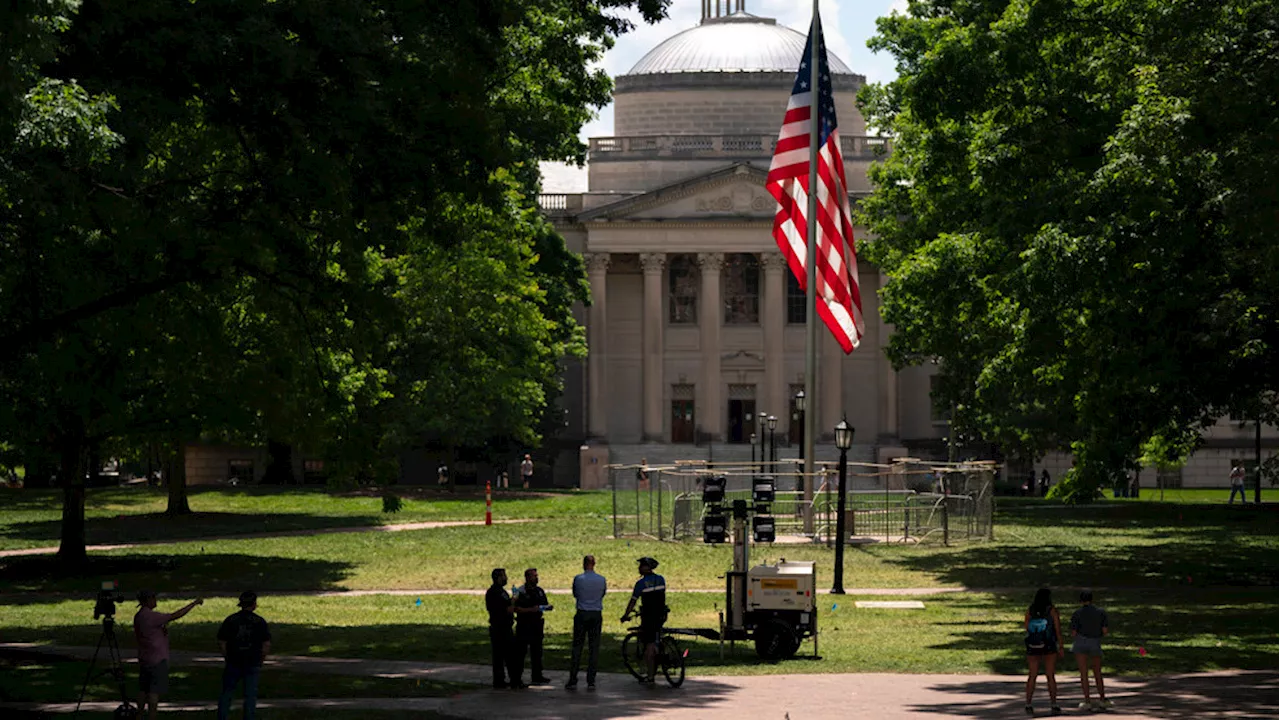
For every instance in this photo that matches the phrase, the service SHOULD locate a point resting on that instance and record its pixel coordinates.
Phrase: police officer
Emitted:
(651, 591)
(530, 603)
(501, 641)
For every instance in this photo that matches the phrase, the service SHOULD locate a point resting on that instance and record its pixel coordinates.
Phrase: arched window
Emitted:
(741, 289)
(682, 290)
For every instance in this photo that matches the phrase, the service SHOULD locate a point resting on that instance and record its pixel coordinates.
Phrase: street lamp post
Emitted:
(800, 419)
(773, 439)
(844, 441)
(753, 449)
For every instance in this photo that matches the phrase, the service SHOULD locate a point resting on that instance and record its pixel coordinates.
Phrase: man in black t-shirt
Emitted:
(530, 602)
(245, 640)
(501, 642)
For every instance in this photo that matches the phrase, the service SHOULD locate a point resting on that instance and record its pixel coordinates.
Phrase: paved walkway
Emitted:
(401, 527)
(1235, 694)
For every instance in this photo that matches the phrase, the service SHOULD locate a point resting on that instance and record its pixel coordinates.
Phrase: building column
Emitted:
(710, 310)
(597, 347)
(653, 265)
(776, 397)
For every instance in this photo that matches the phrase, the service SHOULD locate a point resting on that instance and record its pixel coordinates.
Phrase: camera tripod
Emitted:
(115, 669)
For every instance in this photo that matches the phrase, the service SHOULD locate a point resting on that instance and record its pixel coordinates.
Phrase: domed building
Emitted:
(696, 327)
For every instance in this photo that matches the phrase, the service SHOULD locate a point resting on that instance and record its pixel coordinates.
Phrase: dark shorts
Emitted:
(154, 679)
(650, 629)
(1046, 650)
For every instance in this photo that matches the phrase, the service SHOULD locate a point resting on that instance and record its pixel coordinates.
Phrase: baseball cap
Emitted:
(648, 561)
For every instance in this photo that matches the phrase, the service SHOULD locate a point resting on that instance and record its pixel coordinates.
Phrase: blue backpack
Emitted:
(1039, 634)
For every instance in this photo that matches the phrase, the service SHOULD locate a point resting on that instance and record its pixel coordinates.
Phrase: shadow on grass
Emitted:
(1181, 631)
(1241, 695)
(38, 677)
(168, 574)
(158, 527)
(1173, 546)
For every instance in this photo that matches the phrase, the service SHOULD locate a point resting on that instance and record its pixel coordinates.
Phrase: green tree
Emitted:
(203, 206)
(1079, 216)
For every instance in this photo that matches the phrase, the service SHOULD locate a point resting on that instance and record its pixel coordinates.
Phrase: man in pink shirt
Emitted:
(151, 630)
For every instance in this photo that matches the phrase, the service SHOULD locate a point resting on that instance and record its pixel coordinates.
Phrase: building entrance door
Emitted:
(741, 414)
(682, 421)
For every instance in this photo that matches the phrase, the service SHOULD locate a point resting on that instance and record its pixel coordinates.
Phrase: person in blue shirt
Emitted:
(588, 590)
(651, 592)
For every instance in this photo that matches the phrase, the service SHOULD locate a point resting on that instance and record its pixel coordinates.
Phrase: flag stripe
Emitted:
(839, 298)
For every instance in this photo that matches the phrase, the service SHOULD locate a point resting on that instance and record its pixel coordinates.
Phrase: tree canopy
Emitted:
(275, 219)
(1079, 218)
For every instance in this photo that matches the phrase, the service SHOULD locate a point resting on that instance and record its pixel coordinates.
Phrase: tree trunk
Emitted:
(71, 550)
(175, 478)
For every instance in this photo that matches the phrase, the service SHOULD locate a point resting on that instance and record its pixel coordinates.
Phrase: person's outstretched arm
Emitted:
(183, 611)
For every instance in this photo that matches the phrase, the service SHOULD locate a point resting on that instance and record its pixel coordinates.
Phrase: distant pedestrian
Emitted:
(588, 591)
(151, 631)
(442, 474)
(1044, 482)
(642, 475)
(502, 644)
(1044, 646)
(530, 603)
(504, 480)
(1029, 488)
(1237, 482)
(1088, 625)
(526, 470)
(245, 640)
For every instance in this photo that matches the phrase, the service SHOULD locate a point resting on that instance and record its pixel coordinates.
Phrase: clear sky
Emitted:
(847, 25)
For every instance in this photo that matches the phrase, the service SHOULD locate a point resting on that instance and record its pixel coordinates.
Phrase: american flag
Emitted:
(839, 298)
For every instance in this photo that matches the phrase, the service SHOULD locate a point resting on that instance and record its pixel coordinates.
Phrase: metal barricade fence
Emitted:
(907, 501)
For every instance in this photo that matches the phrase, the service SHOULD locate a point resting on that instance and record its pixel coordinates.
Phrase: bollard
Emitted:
(488, 503)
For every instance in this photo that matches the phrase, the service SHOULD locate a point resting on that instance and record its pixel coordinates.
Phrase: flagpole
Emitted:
(811, 283)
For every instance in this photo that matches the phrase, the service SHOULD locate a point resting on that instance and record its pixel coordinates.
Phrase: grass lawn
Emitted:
(32, 517)
(1181, 631)
(1132, 544)
(29, 677)
(1195, 585)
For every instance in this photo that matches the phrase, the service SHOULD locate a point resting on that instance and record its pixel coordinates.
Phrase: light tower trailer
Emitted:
(773, 605)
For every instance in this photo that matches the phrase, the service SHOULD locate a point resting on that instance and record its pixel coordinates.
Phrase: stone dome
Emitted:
(740, 42)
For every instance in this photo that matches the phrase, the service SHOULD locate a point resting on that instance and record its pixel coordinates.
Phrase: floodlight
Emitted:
(762, 489)
(762, 528)
(714, 528)
(713, 489)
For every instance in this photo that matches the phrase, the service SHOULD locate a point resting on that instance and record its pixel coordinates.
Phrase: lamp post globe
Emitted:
(844, 441)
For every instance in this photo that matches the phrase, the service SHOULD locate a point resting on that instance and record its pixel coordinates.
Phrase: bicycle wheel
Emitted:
(633, 655)
(671, 657)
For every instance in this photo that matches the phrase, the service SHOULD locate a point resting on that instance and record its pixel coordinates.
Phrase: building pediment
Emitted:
(735, 192)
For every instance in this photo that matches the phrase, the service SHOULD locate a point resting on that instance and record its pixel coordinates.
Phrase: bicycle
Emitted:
(670, 655)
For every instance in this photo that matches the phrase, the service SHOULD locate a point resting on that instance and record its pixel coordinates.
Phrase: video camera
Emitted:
(108, 596)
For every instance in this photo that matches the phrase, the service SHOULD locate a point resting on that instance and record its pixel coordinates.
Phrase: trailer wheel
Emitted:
(776, 640)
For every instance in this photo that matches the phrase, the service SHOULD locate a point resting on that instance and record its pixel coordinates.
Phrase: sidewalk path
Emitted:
(1234, 694)
(278, 534)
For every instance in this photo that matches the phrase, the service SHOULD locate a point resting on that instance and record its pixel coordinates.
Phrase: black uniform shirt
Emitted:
(496, 601)
(527, 598)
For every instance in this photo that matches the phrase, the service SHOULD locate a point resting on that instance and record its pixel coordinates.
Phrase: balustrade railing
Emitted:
(699, 146)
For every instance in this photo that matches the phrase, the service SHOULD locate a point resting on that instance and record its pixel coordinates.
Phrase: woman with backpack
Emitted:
(1044, 645)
